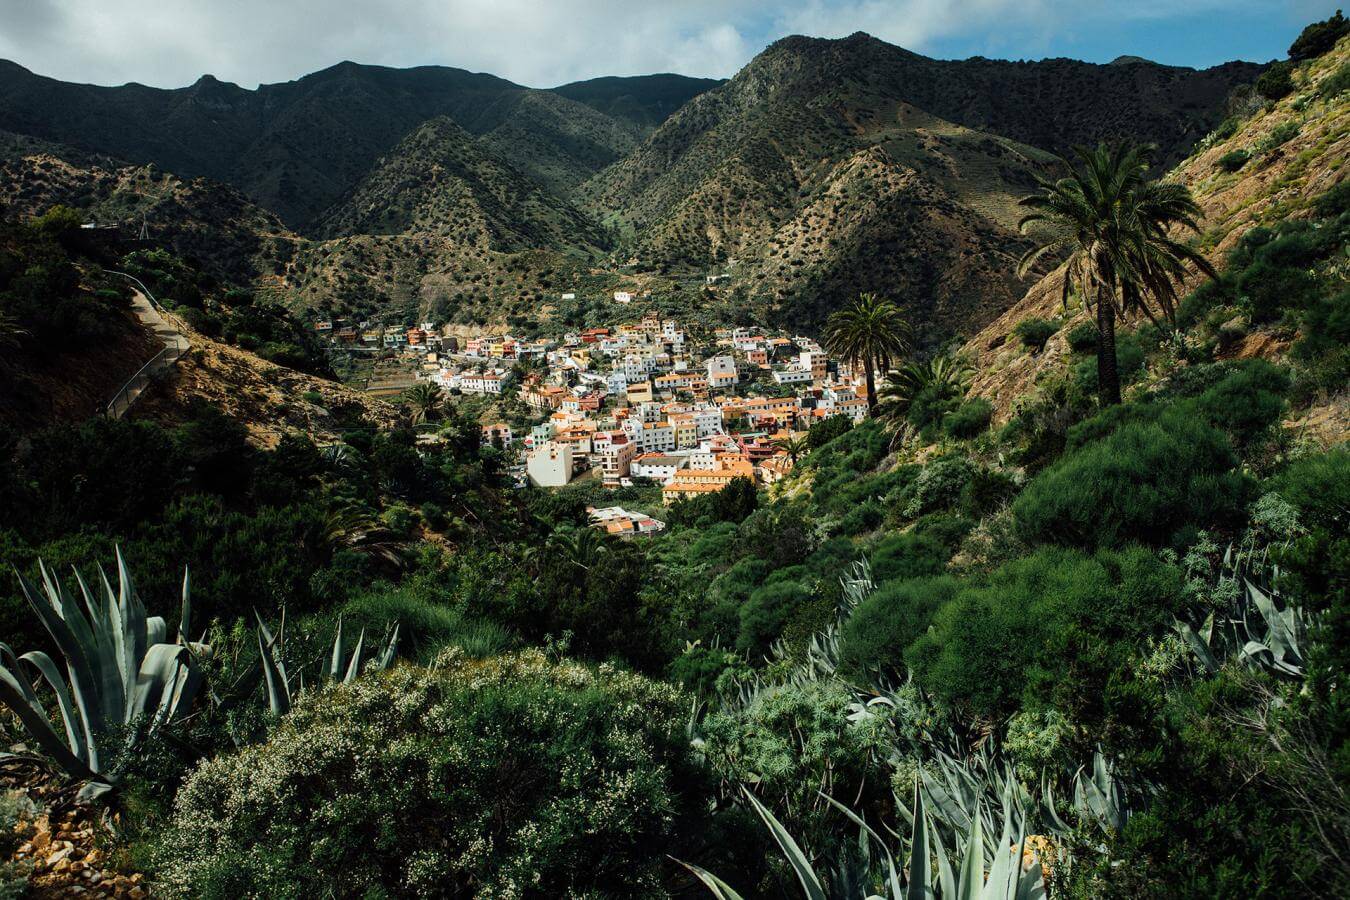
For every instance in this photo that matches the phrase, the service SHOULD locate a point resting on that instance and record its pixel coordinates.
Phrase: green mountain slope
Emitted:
(296, 147)
(439, 180)
(780, 168)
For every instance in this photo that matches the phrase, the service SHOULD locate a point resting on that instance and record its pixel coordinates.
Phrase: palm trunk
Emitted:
(871, 385)
(1108, 375)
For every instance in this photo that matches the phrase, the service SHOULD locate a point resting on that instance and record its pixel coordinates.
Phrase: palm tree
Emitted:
(1111, 223)
(870, 330)
(581, 547)
(425, 399)
(948, 374)
(793, 446)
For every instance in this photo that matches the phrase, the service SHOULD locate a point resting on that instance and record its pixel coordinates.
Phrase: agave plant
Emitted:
(123, 679)
(979, 874)
(282, 689)
(1258, 628)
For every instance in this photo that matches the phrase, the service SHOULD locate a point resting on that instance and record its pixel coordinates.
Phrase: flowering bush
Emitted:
(503, 778)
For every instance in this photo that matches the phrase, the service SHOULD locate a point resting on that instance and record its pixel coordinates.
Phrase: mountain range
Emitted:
(823, 168)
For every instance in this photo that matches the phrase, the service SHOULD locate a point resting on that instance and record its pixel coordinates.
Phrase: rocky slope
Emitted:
(1296, 151)
(829, 167)
(440, 181)
(824, 168)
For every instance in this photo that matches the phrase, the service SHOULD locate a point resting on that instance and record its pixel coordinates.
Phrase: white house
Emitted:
(722, 372)
(791, 376)
(550, 465)
(657, 466)
(623, 297)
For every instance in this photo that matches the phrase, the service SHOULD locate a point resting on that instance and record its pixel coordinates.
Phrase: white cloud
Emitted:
(538, 42)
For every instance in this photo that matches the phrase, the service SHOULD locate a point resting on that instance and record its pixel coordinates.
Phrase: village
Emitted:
(645, 401)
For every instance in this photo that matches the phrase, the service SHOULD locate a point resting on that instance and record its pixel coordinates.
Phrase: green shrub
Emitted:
(511, 777)
(1276, 82)
(1319, 487)
(1319, 37)
(986, 491)
(1033, 333)
(1234, 160)
(908, 554)
(1226, 129)
(1324, 326)
(1247, 401)
(766, 613)
(970, 419)
(821, 433)
(892, 617)
(1336, 83)
(937, 487)
(1265, 290)
(1048, 630)
(1279, 136)
(1334, 201)
(1130, 362)
(1082, 338)
(1144, 481)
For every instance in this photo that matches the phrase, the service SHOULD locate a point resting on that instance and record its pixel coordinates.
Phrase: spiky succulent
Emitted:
(1258, 628)
(282, 688)
(123, 679)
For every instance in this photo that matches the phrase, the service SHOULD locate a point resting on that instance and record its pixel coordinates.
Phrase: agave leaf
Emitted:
(970, 882)
(354, 667)
(74, 732)
(185, 613)
(947, 884)
(919, 886)
(39, 727)
(386, 656)
(78, 663)
(278, 692)
(719, 888)
(800, 864)
(1198, 646)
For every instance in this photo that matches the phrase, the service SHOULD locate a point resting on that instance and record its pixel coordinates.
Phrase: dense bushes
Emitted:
(508, 778)
(1033, 333)
(1276, 82)
(1234, 160)
(1145, 481)
(1319, 37)
(1047, 630)
(969, 419)
(894, 616)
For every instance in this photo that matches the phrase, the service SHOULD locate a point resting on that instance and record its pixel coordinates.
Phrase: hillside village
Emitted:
(648, 399)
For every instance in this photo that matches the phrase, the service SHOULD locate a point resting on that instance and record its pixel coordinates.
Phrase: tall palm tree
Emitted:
(793, 446)
(872, 331)
(425, 399)
(1111, 224)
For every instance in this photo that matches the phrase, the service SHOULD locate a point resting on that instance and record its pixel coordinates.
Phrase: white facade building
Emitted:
(550, 465)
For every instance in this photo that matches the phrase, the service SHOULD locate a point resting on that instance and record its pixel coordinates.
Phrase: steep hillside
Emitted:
(226, 233)
(644, 100)
(230, 239)
(296, 147)
(439, 180)
(836, 89)
(829, 167)
(1269, 168)
(270, 400)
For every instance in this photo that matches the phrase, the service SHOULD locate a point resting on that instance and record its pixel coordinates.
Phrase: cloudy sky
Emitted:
(169, 43)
